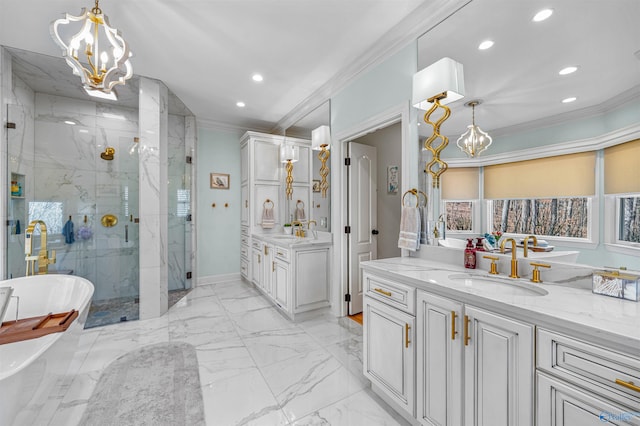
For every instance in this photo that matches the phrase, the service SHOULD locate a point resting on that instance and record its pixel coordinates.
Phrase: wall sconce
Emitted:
(438, 84)
(97, 52)
(321, 141)
(289, 154)
(474, 141)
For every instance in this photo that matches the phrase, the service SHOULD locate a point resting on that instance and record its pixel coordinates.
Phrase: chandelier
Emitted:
(96, 52)
(474, 141)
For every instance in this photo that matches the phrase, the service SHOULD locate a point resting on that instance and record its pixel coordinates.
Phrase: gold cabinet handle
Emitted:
(466, 330)
(273, 266)
(259, 259)
(386, 293)
(266, 250)
(406, 335)
(453, 325)
(628, 385)
(246, 203)
(280, 253)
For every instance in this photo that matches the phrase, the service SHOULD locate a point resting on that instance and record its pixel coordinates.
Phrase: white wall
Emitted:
(218, 229)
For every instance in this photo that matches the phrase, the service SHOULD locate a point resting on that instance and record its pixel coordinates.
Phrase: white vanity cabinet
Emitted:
(389, 352)
(494, 352)
(582, 383)
(295, 276)
(388, 340)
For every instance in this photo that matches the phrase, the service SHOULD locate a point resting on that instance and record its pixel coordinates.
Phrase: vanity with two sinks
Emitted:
(451, 346)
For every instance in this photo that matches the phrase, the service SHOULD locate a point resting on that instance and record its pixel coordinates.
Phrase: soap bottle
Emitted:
(470, 255)
(480, 244)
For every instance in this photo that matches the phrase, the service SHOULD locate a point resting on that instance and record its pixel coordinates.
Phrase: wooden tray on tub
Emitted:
(31, 328)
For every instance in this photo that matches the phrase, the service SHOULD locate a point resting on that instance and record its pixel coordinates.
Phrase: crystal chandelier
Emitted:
(96, 52)
(474, 141)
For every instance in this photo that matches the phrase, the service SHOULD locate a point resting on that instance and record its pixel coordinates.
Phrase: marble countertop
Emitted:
(290, 241)
(574, 311)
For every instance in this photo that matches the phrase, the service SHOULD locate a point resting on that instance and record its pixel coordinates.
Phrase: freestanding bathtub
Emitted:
(30, 370)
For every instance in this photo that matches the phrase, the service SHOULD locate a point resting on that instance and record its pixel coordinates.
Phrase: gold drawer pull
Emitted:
(628, 385)
(406, 335)
(266, 250)
(466, 330)
(280, 253)
(273, 266)
(386, 293)
(453, 325)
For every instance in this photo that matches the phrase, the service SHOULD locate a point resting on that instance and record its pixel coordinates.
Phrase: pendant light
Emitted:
(474, 141)
(96, 52)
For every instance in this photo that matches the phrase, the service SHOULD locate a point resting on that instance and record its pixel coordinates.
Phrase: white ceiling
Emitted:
(517, 78)
(207, 51)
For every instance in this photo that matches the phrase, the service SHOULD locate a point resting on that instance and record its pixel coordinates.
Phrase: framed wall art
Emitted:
(219, 181)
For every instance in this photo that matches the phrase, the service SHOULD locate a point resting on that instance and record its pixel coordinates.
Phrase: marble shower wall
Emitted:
(70, 171)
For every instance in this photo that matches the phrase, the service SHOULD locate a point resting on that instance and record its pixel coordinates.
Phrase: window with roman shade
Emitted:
(622, 183)
(460, 194)
(547, 196)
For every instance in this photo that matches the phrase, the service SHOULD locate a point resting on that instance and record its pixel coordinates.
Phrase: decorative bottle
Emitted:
(470, 255)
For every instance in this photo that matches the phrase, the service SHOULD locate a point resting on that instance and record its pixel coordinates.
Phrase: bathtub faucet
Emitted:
(42, 259)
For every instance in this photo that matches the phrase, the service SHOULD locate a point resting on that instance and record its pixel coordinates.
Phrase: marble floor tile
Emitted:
(256, 367)
(359, 409)
(273, 346)
(308, 382)
(242, 400)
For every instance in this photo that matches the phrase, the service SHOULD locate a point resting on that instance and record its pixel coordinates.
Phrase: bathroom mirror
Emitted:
(518, 79)
(321, 209)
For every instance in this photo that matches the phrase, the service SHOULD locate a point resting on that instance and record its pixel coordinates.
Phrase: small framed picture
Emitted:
(219, 181)
(316, 185)
(392, 179)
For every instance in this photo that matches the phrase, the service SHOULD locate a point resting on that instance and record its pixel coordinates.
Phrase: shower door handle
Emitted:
(126, 233)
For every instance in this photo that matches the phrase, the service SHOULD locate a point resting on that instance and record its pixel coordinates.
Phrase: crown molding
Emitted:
(606, 140)
(226, 127)
(422, 19)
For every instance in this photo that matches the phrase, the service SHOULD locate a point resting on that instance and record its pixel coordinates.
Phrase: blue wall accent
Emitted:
(218, 234)
(377, 90)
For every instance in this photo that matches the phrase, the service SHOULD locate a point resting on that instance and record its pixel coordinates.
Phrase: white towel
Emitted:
(300, 215)
(423, 225)
(409, 229)
(268, 220)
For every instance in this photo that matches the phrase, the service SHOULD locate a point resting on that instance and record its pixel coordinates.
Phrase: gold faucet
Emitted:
(526, 244)
(299, 230)
(42, 259)
(514, 260)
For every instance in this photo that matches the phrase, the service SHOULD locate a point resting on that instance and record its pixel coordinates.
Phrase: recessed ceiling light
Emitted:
(542, 15)
(568, 100)
(69, 122)
(240, 104)
(257, 78)
(485, 45)
(568, 70)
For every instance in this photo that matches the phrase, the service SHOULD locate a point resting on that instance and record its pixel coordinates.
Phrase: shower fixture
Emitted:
(108, 153)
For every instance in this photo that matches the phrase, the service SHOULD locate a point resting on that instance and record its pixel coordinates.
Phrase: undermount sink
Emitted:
(505, 286)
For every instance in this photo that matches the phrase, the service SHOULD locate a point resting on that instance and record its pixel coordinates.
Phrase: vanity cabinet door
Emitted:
(256, 267)
(281, 282)
(266, 268)
(561, 404)
(499, 370)
(244, 199)
(439, 360)
(389, 352)
(266, 161)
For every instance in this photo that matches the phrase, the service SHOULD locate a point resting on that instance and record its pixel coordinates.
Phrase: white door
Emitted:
(362, 206)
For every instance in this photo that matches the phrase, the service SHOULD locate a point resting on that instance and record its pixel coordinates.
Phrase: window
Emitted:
(459, 215)
(557, 217)
(628, 223)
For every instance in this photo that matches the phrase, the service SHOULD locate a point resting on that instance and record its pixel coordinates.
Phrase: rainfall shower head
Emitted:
(108, 153)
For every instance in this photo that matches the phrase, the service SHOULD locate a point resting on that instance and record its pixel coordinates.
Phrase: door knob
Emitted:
(375, 232)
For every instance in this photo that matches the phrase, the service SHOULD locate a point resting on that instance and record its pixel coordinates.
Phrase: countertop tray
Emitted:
(31, 328)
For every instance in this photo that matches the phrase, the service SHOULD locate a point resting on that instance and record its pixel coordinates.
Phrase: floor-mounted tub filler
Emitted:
(31, 369)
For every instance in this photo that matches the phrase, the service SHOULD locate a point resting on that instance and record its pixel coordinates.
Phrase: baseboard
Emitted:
(215, 279)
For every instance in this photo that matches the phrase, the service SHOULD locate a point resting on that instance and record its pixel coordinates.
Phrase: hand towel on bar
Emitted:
(300, 215)
(268, 220)
(67, 231)
(409, 229)
(423, 225)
